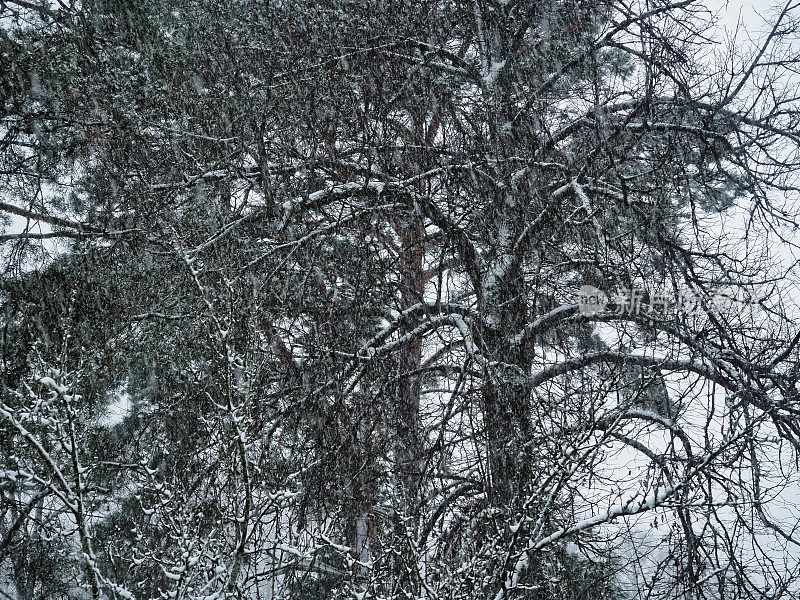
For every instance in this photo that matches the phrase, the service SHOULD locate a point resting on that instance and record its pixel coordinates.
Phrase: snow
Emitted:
(490, 77)
(50, 383)
(118, 409)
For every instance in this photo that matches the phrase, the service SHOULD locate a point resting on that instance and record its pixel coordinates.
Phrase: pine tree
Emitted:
(327, 255)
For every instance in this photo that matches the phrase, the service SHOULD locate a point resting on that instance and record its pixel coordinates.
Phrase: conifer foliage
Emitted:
(294, 300)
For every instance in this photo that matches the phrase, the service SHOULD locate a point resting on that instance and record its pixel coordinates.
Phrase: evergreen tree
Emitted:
(290, 300)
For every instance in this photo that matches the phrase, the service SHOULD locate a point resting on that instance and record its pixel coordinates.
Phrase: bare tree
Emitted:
(337, 257)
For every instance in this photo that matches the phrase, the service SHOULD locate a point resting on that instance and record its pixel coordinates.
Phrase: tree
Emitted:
(331, 254)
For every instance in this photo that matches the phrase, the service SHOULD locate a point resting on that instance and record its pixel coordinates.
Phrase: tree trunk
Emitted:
(408, 446)
(506, 391)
